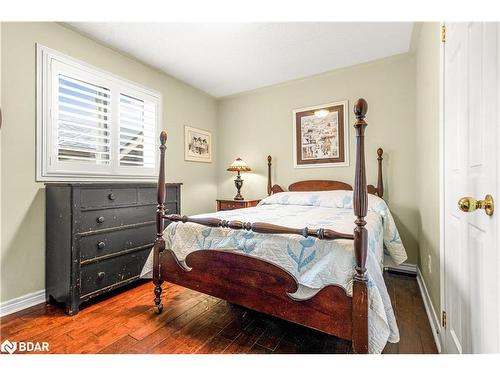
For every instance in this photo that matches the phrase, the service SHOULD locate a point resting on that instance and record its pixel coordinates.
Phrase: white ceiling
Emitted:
(227, 58)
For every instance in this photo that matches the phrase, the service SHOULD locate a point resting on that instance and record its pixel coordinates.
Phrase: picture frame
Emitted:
(197, 145)
(321, 136)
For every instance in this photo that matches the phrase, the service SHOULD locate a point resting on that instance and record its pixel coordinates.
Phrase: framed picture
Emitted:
(321, 136)
(197, 145)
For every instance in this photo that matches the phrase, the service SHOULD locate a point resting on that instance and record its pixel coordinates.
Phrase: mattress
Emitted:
(314, 263)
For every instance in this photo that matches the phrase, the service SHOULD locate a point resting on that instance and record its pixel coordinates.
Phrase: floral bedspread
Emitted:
(315, 263)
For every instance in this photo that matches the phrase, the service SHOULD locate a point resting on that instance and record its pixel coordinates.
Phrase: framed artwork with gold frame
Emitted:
(321, 136)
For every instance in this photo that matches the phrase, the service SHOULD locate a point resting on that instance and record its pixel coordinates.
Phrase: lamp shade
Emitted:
(239, 166)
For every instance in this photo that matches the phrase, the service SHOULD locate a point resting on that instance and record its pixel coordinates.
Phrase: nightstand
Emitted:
(231, 204)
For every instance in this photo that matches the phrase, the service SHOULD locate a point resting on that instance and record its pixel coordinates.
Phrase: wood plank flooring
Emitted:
(196, 323)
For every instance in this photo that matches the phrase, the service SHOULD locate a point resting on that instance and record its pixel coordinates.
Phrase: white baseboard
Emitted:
(408, 268)
(21, 303)
(431, 312)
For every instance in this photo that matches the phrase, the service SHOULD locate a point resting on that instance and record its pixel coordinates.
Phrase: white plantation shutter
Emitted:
(91, 124)
(137, 132)
(83, 122)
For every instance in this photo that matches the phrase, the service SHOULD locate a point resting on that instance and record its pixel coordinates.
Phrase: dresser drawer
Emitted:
(224, 205)
(148, 195)
(114, 217)
(230, 206)
(171, 208)
(107, 197)
(99, 245)
(110, 272)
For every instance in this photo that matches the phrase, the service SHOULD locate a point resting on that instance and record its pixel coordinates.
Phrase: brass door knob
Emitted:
(469, 204)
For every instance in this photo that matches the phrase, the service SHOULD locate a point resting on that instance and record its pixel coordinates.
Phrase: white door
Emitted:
(471, 140)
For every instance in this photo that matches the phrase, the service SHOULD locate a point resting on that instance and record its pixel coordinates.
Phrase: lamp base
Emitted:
(238, 182)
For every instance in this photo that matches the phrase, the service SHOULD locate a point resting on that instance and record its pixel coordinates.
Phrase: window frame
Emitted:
(49, 60)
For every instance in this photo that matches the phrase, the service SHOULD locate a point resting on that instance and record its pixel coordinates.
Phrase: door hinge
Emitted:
(443, 319)
(443, 33)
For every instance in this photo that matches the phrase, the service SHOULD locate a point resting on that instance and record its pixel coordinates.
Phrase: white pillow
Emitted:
(331, 198)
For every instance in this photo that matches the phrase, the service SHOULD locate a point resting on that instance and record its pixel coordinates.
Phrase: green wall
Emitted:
(427, 158)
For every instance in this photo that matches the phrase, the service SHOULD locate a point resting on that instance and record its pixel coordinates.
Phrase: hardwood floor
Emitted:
(196, 323)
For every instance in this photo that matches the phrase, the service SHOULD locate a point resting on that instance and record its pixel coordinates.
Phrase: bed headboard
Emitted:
(324, 185)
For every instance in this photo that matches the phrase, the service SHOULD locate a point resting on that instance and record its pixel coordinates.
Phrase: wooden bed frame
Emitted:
(265, 287)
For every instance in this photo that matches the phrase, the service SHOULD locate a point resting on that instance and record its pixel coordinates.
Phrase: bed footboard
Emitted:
(261, 286)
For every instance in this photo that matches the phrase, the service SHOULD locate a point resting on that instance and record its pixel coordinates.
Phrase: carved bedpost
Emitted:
(269, 184)
(360, 203)
(380, 180)
(159, 245)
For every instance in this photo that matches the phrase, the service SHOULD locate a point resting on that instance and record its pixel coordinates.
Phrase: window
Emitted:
(91, 124)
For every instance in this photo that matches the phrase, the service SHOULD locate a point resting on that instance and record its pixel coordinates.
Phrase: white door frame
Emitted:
(441, 184)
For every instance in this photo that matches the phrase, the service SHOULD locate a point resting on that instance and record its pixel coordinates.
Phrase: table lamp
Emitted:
(238, 166)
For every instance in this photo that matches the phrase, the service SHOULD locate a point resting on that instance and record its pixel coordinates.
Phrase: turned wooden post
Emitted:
(380, 180)
(269, 184)
(321, 233)
(360, 203)
(159, 245)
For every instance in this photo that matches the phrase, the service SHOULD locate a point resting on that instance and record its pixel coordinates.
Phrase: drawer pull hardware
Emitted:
(111, 196)
(101, 275)
(101, 245)
(100, 219)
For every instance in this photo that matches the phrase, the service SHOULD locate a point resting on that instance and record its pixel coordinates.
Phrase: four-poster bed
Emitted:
(266, 287)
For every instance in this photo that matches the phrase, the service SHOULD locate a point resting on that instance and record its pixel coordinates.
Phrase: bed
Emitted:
(295, 256)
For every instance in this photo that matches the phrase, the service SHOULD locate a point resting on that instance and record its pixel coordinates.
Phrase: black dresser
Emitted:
(98, 237)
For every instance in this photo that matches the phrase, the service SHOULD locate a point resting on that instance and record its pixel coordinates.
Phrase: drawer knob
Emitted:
(101, 245)
(100, 219)
(111, 197)
(101, 275)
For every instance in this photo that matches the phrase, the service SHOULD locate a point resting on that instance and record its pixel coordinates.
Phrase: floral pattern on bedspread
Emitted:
(315, 263)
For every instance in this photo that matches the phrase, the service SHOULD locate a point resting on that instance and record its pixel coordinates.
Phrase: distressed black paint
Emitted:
(98, 236)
